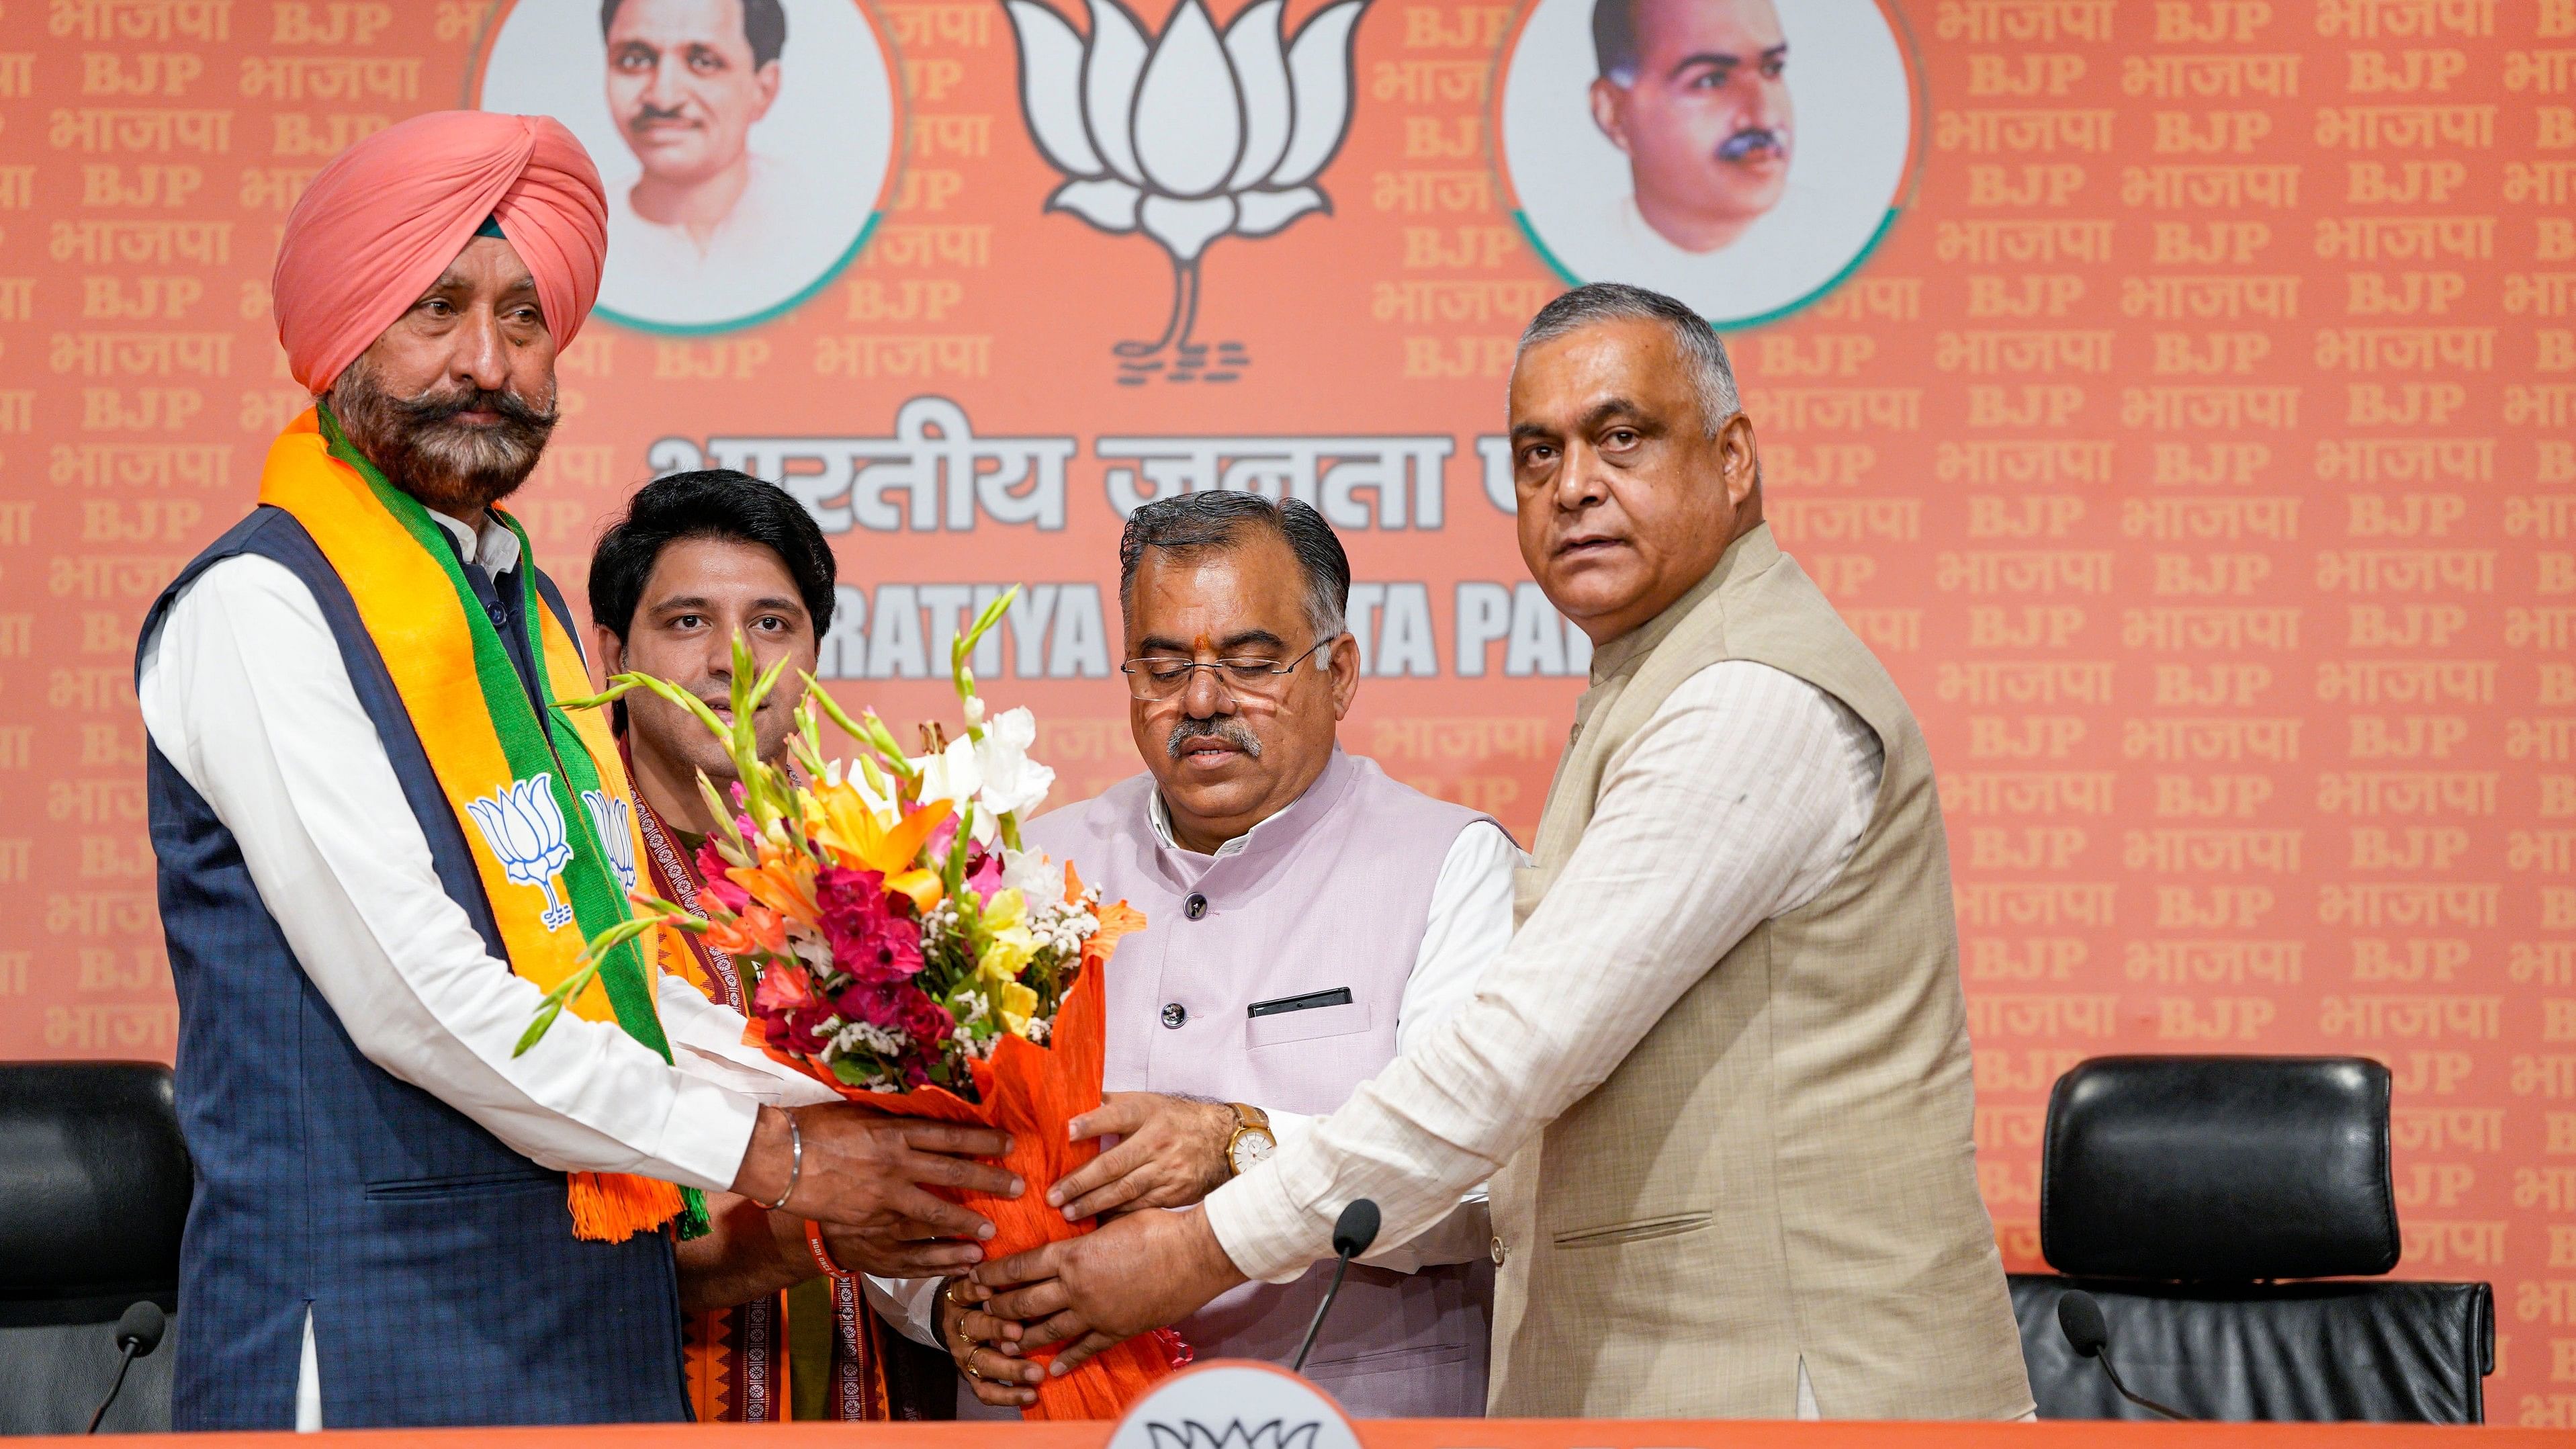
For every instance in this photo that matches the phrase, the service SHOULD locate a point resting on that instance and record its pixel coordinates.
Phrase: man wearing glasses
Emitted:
(1310, 916)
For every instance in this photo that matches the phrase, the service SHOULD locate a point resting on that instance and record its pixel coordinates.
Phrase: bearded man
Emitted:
(382, 843)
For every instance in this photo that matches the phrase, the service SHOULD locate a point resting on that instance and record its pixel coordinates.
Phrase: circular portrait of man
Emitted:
(746, 145)
(1741, 155)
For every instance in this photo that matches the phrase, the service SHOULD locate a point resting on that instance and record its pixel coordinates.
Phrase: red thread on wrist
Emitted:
(822, 1254)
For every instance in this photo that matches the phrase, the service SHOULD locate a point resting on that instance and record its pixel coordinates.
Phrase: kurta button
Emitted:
(1194, 907)
(1174, 1014)
(498, 618)
(1498, 1252)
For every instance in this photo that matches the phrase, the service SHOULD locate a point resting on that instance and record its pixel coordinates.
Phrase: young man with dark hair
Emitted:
(698, 560)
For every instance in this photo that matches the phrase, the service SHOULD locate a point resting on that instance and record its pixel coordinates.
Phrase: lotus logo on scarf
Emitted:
(610, 816)
(1195, 138)
(526, 832)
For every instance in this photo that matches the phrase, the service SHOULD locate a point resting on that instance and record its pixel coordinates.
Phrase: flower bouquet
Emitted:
(897, 943)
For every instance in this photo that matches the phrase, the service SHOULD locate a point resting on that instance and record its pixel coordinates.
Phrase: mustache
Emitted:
(650, 113)
(432, 409)
(421, 447)
(1231, 731)
(1751, 139)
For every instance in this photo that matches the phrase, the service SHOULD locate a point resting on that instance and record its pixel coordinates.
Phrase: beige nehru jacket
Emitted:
(1764, 1147)
(1782, 1170)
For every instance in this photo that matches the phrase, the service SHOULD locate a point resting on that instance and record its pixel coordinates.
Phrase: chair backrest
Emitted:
(94, 1189)
(2182, 1191)
(2388, 1352)
(2218, 1169)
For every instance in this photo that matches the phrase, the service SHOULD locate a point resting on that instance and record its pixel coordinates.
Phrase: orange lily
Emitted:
(758, 928)
(783, 881)
(841, 821)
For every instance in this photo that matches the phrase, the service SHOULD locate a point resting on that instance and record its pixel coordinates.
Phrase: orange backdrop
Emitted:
(2194, 447)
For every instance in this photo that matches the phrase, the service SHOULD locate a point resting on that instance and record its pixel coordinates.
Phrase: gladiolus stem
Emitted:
(618, 689)
(873, 734)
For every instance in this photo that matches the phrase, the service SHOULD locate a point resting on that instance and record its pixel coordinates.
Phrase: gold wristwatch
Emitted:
(1251, 1141)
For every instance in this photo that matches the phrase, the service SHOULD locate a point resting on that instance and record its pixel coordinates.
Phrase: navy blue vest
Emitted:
(445, 1283)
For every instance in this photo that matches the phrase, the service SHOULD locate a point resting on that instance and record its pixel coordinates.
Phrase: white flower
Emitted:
(994, 775)
(1198, 136)
(1013, 784)
(1039, 880)
(867, 1035)
(954, 776)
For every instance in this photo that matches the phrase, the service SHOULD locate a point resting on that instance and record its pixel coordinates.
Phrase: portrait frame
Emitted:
(480, 57)
(1862, 242)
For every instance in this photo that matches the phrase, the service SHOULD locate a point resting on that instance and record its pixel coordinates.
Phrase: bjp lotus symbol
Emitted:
(525, 829)
(612, 820)
(1192, 137)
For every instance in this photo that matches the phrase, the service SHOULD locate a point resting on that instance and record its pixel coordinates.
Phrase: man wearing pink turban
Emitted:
(400, 1219)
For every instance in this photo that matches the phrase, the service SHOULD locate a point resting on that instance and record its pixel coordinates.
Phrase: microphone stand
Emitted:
(1341, 1265)
(1352, 1234)
(2141, 1400)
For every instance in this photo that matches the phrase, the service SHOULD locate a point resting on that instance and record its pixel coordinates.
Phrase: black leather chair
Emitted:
(94, 1187)
(2182, 1191)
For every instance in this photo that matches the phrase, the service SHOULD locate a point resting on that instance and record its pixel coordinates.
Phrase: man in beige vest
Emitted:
(1723, 1067)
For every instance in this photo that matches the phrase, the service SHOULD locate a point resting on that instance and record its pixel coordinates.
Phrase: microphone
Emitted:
(2079, 1317)
(138, 1333)
(1353, 1231)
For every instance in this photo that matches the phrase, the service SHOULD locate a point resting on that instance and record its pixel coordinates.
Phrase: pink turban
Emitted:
(380, 223)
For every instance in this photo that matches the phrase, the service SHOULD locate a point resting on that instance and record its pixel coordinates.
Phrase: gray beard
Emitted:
(454, 469)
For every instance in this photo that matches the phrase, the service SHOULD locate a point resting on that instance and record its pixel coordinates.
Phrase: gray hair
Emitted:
(1712, 377)
(1190, 523)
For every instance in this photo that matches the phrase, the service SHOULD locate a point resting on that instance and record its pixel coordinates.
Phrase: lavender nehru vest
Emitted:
(1332, 892)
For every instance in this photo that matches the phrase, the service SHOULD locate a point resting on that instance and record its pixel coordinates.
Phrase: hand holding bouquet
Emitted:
(896, 942)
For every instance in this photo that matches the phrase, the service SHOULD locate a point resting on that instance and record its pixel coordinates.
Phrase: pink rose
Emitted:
(873, 936)
(984, 877)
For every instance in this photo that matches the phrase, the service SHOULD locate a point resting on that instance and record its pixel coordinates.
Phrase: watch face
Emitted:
(1250, 1148)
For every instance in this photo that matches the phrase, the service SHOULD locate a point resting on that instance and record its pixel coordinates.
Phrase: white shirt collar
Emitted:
(1159, 817)
(493, 545)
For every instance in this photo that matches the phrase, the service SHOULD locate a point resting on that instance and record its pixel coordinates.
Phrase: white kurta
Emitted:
(244, 692)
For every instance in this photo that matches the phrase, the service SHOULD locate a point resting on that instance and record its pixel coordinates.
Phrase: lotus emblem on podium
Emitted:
(1188, 138)
(1191, 1434)
(525, 829)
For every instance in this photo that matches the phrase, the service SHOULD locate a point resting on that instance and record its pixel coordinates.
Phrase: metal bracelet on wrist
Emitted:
(795, 1163)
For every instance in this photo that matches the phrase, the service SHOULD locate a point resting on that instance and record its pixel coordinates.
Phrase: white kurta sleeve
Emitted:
(1465, 931)
(1738, 800)
(244, 692)
(706, 1041)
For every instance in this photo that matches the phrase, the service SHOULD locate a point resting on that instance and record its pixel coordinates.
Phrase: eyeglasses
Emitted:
(1157, 678)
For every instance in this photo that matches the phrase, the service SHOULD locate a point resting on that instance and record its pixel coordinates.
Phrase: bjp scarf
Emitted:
(543, 803)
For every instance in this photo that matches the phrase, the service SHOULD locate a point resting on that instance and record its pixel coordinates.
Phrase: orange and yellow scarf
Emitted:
(544, 804)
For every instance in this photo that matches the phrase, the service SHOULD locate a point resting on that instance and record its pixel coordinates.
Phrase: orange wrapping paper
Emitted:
(1031, 1092)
